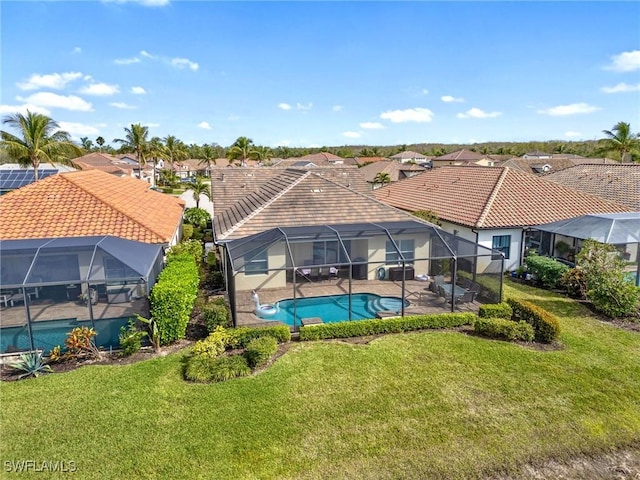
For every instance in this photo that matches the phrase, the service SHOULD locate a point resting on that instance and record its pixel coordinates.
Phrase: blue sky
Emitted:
(325, 73)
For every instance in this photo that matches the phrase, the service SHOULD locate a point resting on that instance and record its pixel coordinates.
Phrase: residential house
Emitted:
(395, 170)
(409, 156)
(120, 166)
(318, 158)
(550, 165)
(361, 161)
(492, 206)
(80, 249)
(463, 157)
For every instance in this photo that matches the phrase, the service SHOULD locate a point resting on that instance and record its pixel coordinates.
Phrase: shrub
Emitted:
(260, 350)
(359, 328)
(496, 310)
(198, 217)
(81, 343)
(574, 283)
(204, 369)
(192, 247)
(187, 231)
(212, 260)
(214, 345)
(32, 364)
(240, 337)
(546, 270)
(215, 315)
(130, 339)
(172, 298)
(545, 325)
(506, 329)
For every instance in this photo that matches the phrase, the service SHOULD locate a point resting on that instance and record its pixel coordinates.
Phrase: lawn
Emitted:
(433, 404)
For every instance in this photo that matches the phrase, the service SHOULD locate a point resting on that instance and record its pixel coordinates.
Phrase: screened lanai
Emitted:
(50, 286)
(395, 268)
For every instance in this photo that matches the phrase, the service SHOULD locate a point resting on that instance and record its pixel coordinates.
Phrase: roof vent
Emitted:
(316, 190)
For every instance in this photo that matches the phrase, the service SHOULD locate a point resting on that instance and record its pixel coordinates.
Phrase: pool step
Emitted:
(311, 321)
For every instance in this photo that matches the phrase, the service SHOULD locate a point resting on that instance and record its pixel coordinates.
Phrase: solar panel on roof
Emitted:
(12, 179)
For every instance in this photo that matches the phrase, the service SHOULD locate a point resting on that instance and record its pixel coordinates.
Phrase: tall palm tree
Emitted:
(136, 141)
(100, 142)
(86, 144)
(156, 151)
(199, 187)
(39, 141)
(263, 154)
(242, 149)
(174, 149)
(620, 139)
(207, 155)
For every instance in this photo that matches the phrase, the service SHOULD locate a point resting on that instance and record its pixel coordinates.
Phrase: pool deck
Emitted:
(421, 299)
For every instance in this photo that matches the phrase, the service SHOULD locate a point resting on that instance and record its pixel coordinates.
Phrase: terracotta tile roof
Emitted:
(89, 203)
(396, 170)
(366, 160)
(329, 157)
(619, 182)
(230, 185)
(491, 197)
(297, 197)
(460, 155)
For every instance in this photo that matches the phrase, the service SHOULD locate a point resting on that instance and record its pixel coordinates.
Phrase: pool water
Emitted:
(335, 308)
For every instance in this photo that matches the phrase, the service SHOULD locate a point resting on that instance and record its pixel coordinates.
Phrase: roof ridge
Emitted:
(492, 197)
(110, 205)
(258, 210)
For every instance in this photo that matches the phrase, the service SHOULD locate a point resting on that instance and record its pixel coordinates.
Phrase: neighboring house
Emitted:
(463, 157)
(617, 182)
(80, 249)
(318, 158)
(13, 176)
(395, 170)
(90, 203)
(544, 166)
(409, 156)
(361, 161)
(190, 168)
(492, 206)
(120, 166)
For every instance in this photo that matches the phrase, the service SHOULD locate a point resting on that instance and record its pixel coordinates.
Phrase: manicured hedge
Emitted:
(496, 310)
(240, 337)
(260, 350)
(359, 328)
(215, 315)
(546, 270)
(545, 325)
(173, 296)
(218, 369)
(506, 329)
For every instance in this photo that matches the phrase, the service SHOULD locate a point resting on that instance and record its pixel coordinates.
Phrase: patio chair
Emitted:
(314, 275)
(474, 287)
(466, 297)
(442, 293)
(437, 281)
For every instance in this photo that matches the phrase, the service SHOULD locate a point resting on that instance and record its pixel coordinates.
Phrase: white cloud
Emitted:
(351, 134)
(144, 53)
(621, 88)
(571, 134)
(126, 61)
(184, 63)
(284, 106)
(76, 50)
(450, 99)
(204, 125)
(477, 113)
(100, 89)
(138, 91)
(337, 108)
(419, 115)
(144, 3)
(78, 129)
(9, 109)
(57, 81)
(122, 106)
(425, 91)
(53, 100)
(572, 109)
(306, 107)
(372, 125)
(625, 62)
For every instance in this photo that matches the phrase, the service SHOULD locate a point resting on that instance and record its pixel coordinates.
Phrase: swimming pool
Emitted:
(335, 308)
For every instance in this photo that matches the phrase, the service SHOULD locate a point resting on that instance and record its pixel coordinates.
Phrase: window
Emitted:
(330, 253)
(407, 248)
(502, 243)
(257, 264)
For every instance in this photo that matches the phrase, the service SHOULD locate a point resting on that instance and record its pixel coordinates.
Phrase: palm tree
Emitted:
(207, 155)
(136, 141)
(40, 140)
(263, 154)
(174, 149)
(621, 140)
(242, 149)
(100, 142)
(86, 143)
(381, 178)
(199, 187)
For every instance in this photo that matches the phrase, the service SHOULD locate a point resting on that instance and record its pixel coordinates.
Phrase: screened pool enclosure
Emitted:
(50, 286)
(417, 265)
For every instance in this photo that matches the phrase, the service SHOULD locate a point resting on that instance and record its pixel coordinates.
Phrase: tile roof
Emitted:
(491, 197)
(329, 157)
(87, 203)
(407, 154)
(460, 155)
(294, 197)
(618, 182)
(366, 160)
(396, 170)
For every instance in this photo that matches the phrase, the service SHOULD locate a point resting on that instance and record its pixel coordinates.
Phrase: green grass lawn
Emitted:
(434, 404)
